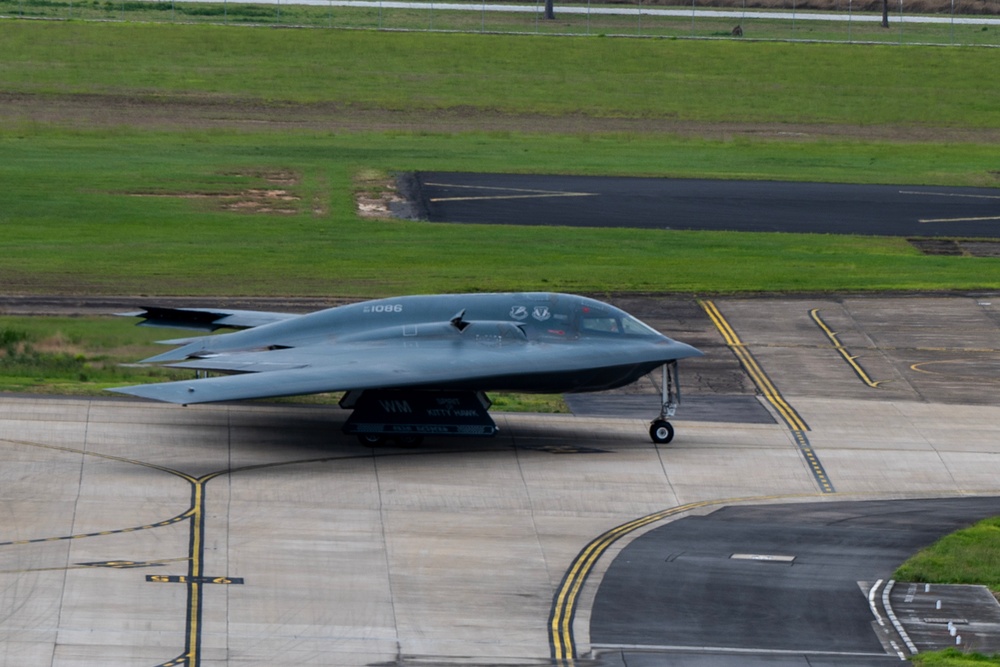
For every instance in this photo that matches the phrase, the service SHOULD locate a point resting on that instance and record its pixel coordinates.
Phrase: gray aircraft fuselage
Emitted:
(530, 342)
(390, 355)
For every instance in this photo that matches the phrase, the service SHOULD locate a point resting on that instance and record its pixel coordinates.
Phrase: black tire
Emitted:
(371, 439)
(661, 432)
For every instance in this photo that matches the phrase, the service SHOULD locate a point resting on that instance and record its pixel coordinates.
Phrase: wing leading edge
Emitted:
(330, 367)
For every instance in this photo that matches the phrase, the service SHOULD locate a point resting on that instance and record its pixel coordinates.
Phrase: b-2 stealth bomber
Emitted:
(417, 365)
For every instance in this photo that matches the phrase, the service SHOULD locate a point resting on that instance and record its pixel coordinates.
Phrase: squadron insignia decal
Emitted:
(519, 313)
(541, 313)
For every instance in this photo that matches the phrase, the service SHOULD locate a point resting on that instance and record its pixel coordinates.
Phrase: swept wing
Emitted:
(521, 343)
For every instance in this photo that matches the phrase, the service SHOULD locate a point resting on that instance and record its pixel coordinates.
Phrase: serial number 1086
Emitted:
(384, 308)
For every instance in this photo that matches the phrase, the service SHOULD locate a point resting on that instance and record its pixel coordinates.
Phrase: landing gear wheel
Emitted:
(661, 431)
(371, 439)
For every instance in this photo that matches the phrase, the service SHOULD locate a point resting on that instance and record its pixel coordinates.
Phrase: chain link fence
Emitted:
(950, 22)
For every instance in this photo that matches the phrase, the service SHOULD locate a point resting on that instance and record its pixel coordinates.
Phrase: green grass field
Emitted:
(708, 81)
(79, 215)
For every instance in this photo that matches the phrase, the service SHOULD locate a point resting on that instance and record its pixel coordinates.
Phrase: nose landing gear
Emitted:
(660, 430)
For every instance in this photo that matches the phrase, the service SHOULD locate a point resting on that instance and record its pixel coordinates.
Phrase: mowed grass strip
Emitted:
(967, 556)
(703, 81)
(112, 212)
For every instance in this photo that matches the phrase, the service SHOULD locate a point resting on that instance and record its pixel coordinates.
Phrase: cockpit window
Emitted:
(600, 324)
(634, 327)
(613, 324)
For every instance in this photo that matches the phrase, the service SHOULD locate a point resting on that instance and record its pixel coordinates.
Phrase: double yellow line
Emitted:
(795, 423)
(564, 607)
(561, 638)
(756, 373)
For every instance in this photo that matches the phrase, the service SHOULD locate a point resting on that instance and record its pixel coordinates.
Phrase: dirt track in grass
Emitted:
(220, 112)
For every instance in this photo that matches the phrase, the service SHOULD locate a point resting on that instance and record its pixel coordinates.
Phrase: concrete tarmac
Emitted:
(135, 533)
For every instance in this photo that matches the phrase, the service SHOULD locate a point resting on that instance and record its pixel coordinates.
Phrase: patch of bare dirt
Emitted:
(207, 112)
(981, 248)
(956, 247)
(375, 195)
(268, 200)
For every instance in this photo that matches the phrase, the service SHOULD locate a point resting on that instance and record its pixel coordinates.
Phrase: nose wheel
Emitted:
(661, 431)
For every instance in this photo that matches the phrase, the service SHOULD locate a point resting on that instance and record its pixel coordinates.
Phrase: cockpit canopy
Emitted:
(612, 325)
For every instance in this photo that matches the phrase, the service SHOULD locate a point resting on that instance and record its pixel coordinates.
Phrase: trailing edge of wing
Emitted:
(206, 319)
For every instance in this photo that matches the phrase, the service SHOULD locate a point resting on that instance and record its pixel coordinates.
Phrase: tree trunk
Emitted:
(551, 14)
(885, 13)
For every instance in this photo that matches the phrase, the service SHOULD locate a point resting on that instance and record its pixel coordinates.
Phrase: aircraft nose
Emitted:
(681, 350)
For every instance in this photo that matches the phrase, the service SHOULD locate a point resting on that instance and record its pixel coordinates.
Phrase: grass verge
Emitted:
(72, 356)
(968, 556)
(749, 82)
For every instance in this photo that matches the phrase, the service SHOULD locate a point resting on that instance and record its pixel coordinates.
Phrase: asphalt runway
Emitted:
(748, 206)
(748, 585)
(153, 535)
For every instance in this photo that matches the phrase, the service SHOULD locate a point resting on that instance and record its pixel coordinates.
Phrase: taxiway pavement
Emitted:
(668, 203)
(134, 533)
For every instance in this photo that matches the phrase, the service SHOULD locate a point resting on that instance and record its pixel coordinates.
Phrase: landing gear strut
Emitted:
(660, 430)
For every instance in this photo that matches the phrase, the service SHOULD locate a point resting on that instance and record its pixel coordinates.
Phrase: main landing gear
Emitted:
(404, 417)
(660, 430)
